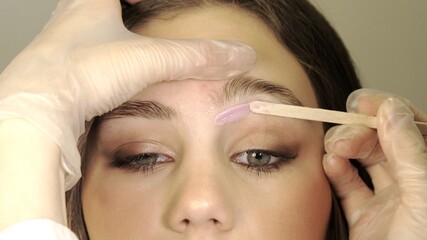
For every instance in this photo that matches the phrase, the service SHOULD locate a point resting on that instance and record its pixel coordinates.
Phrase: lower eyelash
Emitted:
(269, 168)
(136, 168)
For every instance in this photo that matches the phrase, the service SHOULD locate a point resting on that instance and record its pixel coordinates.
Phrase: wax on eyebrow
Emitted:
(232, 114)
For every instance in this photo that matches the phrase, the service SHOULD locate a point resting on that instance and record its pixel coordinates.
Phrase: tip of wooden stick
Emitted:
(232, 114)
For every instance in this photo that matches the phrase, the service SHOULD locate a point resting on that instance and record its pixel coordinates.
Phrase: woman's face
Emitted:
(161, 169)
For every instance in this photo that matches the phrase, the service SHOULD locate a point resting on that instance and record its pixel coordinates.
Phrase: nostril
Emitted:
(187, 221)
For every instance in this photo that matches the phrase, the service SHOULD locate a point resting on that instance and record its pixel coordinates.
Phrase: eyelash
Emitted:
(282, 159)
(130, 163)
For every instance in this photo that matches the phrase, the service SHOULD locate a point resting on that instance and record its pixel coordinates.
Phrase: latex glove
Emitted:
(85, 62)
(396, 158)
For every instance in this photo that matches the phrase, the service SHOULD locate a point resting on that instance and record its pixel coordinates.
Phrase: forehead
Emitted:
(222, 22)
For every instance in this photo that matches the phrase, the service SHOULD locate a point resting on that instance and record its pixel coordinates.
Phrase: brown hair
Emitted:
(301, 29)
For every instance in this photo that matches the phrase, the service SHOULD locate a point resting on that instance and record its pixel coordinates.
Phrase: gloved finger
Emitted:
(405, 149)
(355, 142)
(68, 11)
(346, 182)
(367, 101)
(361, 143)
(143, 61)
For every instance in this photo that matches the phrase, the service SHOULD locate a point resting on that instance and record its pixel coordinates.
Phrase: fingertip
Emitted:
(337, 134)
(335, 167)
(366, 100)
(328, 165)
(235, 58)
(351, 103)
(402, 142)
(397, 129)
(350, 141)
(395, 115)
(212, 59)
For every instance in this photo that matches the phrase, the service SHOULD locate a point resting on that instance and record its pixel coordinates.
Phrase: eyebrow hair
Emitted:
(237, 88)
(138, 108)
(245, 86)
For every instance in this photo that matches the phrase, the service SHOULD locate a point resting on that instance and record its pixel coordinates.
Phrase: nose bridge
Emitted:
(199, 197)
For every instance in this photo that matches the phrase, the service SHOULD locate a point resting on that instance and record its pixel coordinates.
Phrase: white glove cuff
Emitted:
(37, 229)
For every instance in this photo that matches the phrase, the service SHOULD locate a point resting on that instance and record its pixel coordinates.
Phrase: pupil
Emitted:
(258, 158)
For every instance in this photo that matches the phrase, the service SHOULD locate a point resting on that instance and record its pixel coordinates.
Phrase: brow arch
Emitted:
(245, 86)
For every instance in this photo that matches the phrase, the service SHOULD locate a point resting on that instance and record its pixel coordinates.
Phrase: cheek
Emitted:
(118, 208)
(312, 206)
(299, 206)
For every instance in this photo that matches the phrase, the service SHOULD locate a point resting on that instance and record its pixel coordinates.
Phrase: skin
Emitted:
(201, 192)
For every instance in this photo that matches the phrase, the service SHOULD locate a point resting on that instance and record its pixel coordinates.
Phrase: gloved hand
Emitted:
(85, 62)
(396, 158)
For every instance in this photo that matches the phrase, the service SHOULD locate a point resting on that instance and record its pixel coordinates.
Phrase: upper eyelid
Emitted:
(144, 146)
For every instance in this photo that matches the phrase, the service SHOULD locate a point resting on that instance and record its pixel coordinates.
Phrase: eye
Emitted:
(262, 161)
(147, 159)
(256, 158)
(142, 162)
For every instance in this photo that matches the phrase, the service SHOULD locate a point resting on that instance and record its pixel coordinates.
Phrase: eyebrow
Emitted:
(235, 89)
(138, 108)
(246, 86)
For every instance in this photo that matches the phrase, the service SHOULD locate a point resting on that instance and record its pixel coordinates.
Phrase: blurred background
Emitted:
(386, 38)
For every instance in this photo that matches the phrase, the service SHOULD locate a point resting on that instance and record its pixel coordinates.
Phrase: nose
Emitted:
(200, 202)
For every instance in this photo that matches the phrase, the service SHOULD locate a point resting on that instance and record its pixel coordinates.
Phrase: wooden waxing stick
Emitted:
(321, 115)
